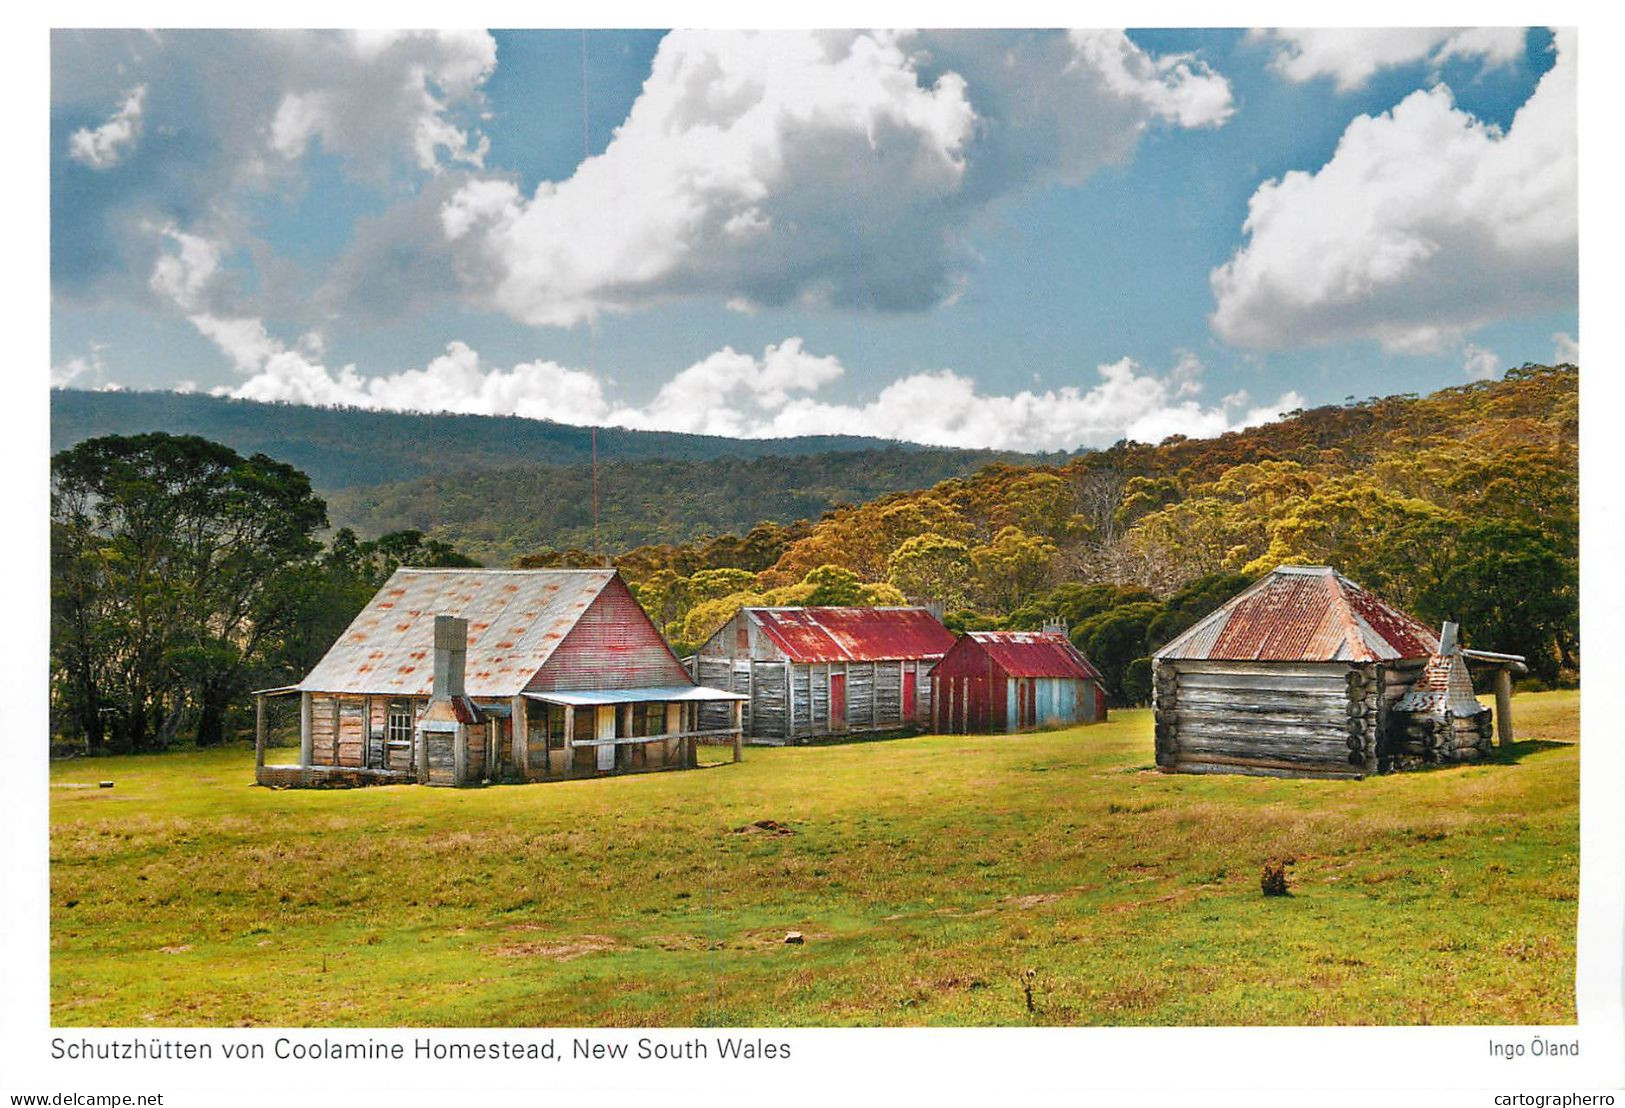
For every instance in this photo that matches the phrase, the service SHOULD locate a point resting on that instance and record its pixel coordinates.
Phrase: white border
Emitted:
(1273, 1063)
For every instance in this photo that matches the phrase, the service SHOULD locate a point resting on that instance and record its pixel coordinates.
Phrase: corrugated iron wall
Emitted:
(612, 646)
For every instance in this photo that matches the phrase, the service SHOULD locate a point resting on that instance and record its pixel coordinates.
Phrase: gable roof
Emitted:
(1304, 614)
(853, 634)
(516, 619)
(1034, 654)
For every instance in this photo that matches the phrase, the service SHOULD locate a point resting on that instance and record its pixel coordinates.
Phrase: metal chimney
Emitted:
(450, 656)
(1447, 638)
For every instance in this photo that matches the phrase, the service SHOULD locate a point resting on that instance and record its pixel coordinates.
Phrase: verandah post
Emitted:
(306, 723)
(1503, 706)
(259, 736)
(739, 729)
(521, 736)
(569, 740)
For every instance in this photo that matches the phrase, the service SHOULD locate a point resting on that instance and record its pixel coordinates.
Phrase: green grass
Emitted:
(931, 877)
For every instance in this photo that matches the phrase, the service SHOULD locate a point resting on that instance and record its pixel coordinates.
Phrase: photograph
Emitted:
(695, 536)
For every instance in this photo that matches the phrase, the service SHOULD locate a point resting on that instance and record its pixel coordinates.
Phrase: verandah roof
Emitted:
(668, 694)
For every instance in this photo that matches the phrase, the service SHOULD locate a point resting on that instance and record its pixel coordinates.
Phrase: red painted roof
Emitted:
(1305, 614)
(853, 634)
(1034, 654)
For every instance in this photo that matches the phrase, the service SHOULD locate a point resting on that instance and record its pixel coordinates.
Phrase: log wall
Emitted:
(1275, 718)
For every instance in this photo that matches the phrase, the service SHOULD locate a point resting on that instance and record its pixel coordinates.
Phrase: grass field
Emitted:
(937, 880)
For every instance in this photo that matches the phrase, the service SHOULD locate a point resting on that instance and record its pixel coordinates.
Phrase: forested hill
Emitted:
(343, 448)
(501, 515)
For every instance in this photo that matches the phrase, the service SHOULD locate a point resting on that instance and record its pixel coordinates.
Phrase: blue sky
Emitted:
(1029, 240)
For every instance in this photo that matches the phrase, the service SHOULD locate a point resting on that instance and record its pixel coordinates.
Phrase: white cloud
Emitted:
(1565, 348)
(243, 339)
(88, 370)
(815, 168)
(1350, 56)
(186, 275)
(105, 146)
(1426, 224)
(1480, 364)
(771, 396)
(1175, 86)
(361, 90)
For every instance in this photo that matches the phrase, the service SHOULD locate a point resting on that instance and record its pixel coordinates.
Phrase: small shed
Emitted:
(471, 676)
(1306, 674)
(819, 672)
(1014, 681)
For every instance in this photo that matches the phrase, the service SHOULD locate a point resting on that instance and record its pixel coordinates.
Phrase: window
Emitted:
(399, 726)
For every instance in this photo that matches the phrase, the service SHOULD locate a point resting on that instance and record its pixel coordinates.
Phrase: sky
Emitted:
(1030, 240)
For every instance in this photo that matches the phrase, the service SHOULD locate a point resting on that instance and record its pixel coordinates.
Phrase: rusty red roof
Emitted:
(1305, 614)
(1034, 654)
(516, 619)
(853, 634)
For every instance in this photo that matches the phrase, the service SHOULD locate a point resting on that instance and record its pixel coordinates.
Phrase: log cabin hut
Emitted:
(472, 676)
(821, 672)
(1306, 674)
(1004, 681)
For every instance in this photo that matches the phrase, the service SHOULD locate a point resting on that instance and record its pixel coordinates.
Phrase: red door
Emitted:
(837, 701)
(909, 683)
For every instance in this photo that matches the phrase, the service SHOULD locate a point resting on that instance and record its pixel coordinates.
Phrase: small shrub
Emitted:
(1273, 881)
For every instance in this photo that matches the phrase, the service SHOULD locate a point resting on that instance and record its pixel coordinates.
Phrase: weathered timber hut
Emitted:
(468, 676)
(1014, 681)
(815, 672)
(1306, 674)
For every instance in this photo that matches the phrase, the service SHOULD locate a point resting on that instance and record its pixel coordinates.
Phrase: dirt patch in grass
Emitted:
(1031, 900)
(680, 942)
(561, 950)
(765, 827)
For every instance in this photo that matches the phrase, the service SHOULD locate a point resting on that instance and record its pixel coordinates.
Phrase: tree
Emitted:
(1513, 588)
(175, 563)
(1113, 640)
(832, 586)
(932, 567)
(1012, 567)
(712, 584)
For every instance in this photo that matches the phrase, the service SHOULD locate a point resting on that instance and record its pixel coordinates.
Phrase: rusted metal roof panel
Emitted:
(516, 620)
(1304, 614)
(853, 634)
(1034, 654)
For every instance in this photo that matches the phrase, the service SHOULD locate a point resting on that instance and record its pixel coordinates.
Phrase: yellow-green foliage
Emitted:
(932, 878)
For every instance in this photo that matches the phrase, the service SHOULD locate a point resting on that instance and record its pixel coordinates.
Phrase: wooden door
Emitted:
(837, 701)
(909, 682)
(606, 735)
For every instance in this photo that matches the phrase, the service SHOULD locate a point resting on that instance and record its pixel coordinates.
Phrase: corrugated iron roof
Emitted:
(1034, 654)
(853, 634)
(1304, 614)
(516, 618)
